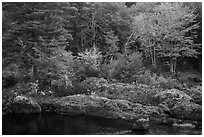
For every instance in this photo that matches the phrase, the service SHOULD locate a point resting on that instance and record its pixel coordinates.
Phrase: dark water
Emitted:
(55, 124)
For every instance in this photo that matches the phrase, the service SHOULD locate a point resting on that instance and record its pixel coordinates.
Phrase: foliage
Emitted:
(124, 68)
(93, 83)
(7, 100)
(90, 61)
(112, 40)
(134, 93)
(61, 87)
(14, 73)
(144, 78)
(60, 47)
(168, 31)
(59, 72)
(189, 79)
(36, 28)
(178, 20)
(167, 83)
(94, 20)
(195, 92)
(152, 79)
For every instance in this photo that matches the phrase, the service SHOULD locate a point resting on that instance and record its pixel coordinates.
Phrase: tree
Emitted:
(171, 29)
(112, 40)
(37, 28)
(177, 25)
(146, 30)
(99, 18)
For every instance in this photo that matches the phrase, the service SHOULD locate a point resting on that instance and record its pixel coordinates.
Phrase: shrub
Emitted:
(189, 78)
(11, 75)
(167, 83)
(59, 74)
(81, 88)
(134, 93)
(90, 62)
(103, 71)
(159, 81)
(23, 88)
(124, 68)
(7, 100)
(62, 86)
(144, 78)
(93, 83)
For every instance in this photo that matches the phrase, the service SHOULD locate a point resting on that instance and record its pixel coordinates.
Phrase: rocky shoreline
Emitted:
(174, 108)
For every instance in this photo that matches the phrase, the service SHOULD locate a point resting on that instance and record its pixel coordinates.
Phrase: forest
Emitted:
(123, 53)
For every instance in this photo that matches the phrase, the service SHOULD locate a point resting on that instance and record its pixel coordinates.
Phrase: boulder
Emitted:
(95, 105)
(92, 105)
(187, 110)
(172, 94)
(179, 105)
(148, 110)
(141, 124)
(25, 105)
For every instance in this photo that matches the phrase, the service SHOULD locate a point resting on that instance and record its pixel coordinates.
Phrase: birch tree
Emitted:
(169, 31)
(177, 25)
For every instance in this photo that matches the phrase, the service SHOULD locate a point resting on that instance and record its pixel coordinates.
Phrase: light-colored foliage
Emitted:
(91, 58)
(168, 31)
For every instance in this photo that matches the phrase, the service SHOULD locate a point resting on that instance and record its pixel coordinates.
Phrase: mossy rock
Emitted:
(25, 105)
(187, 110)
(172, 94)
(94, 105)
(179, 105)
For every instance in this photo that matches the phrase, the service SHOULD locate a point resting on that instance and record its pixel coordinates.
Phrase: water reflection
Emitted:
(53, 124)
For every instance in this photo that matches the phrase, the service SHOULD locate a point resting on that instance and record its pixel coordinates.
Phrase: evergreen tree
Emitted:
(37, 28)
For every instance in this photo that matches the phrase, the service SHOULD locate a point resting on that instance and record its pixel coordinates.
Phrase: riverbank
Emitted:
(129, 102)
(94, 105)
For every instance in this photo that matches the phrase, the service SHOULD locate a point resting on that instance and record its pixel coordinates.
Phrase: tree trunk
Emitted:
(173, 65)
(154, 58)
(152, 53)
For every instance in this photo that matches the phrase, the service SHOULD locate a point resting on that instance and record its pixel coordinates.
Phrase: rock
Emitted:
(168, 121)
(148, 110)
(173, 94)
(180, 105)
(164, 108)
(25, 105)
(95, 105)
(141, 124)
(92, 105)
(124, 104)
(187, 110)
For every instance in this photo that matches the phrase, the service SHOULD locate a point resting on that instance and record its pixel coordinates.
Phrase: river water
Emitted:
(61, 124)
